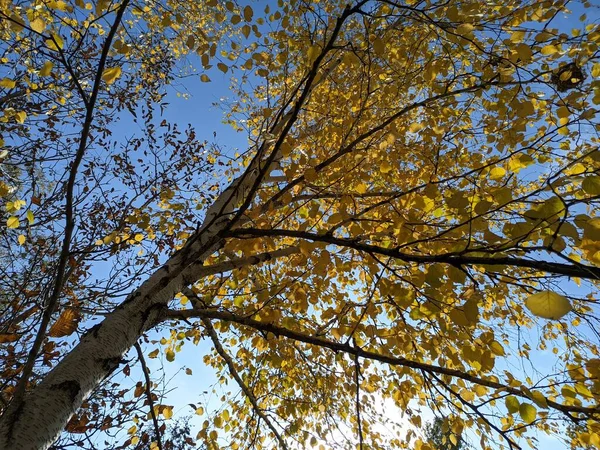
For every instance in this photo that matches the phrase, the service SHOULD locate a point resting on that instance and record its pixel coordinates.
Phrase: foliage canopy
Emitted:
(414, 221)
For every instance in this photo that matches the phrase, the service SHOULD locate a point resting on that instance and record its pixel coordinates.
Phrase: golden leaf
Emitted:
(7, 83)
(12, 222)
(548, 304)
(66, 324)
(46, 69)
(37, 25)
(110, 75)
(167, 412)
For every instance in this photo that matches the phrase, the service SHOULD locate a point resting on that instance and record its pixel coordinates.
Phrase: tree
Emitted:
(415, 216)
(441, 437)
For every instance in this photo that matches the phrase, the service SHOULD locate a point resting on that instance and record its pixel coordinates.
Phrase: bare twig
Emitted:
(142, 360)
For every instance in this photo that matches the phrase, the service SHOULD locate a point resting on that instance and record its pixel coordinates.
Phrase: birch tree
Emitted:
(413, 221)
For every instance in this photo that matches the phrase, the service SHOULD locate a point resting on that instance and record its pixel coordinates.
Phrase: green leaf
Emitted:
(539, 399)
(528, 412)
(591, 185)
(512, 404)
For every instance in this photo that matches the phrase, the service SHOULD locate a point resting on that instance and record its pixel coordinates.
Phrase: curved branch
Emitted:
(142, 360)
(367, 354)
(65, 253)
(245, 389)
(454, 259)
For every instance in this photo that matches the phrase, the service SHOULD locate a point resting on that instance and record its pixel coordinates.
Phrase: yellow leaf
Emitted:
(524, 51)
(539, 399)
(415, 126)
(313, 52)
(497, 348)
(512, 404)
(222, 67)
(170, 354)
(167, 412)
(21, 239)
(21, 116)
(465, 28)
(497, 173)
(12, 222)
(516, 163)
(59, 5)
(548, 304)
(596, 70)
(110, 75)
(7, 83)
(153, 354)
(37, 25)
(204, 78)
(517, 36)
(200, 410)
(361, 188)
(549, 50)
(385, 167)
(453, 439)
(46, 69)
(30, 217)
(56, 43)
(528, 412)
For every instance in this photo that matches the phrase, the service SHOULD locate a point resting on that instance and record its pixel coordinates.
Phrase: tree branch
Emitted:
(367, 354)
(65, 253)
(454, 259)
(245, 389)
(140, 354)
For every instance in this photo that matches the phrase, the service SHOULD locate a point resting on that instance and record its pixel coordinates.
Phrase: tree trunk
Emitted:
(39, 419)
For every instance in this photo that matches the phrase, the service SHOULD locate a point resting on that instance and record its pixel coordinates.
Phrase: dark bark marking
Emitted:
(71, 387)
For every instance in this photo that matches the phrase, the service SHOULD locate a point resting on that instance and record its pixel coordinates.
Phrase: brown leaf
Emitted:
(66, 324)
(8, 337)
(139, 389)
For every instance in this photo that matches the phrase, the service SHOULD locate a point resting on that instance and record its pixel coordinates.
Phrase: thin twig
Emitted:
(358, 419)
(245, 389)
(65, 252)
(142, 360)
